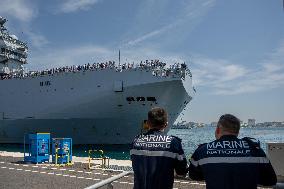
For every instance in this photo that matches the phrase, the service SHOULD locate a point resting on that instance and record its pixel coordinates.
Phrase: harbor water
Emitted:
(191, 138)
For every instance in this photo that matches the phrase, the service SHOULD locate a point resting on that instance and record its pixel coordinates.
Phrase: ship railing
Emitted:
(178, 70)
(174, 72)
(107, 183)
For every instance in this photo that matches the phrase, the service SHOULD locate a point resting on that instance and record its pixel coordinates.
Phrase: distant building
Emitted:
(251, 122)
(214, 124)
(270, 124)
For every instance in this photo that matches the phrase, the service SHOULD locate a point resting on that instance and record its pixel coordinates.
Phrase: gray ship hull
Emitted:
(91, 114)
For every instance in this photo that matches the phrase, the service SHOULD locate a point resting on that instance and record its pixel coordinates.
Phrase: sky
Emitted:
(235, 49)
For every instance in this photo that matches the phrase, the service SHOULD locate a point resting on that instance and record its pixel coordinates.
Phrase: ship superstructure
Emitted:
(13, 53)
(98, 103)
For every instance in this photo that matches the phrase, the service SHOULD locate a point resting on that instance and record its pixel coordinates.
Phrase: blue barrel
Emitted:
(37, 147)
(62, 150)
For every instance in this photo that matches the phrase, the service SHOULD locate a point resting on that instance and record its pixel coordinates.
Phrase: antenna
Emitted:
(119, 56)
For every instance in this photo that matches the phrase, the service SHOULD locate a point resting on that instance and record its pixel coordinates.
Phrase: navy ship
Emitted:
(99, 103)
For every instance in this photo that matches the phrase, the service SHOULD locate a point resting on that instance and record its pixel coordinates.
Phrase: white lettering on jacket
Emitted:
(154, 141)
(228, 147)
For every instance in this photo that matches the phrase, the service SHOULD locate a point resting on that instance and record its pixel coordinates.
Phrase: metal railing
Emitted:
(107, 183)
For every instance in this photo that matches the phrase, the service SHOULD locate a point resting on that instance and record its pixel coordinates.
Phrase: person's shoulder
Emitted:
(175, 138)
(139, 136)
(175, 143)
(201, 147)
(199, 151)
(254, 146)
(252, 143)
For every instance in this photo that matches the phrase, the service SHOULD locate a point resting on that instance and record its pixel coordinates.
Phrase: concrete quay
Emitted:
(14, 173)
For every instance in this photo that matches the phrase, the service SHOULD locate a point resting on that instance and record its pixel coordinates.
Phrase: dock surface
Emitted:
(16, 174)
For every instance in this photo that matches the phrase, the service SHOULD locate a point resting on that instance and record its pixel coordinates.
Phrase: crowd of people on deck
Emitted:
(157, 67)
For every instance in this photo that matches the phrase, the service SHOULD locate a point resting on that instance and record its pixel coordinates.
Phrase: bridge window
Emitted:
(152, 99)
(130, 99)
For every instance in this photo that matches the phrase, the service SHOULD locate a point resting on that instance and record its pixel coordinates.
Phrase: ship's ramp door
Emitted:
(118, 86)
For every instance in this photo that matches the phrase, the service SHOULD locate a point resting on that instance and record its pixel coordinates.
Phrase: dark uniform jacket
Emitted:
(155, 156)
(232, 163)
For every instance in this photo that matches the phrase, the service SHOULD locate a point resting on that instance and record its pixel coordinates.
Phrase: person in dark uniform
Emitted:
(230, 162)
(155, 155)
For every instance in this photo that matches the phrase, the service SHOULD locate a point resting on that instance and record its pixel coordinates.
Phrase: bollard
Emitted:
(102, 157)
